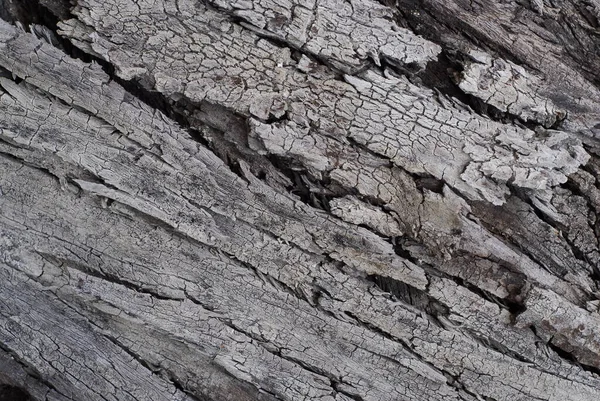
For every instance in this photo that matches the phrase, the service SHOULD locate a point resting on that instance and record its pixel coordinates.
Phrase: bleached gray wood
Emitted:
(318, 217)
(388, 115)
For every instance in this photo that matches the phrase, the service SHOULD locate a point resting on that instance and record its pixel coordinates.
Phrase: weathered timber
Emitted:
(280, 200)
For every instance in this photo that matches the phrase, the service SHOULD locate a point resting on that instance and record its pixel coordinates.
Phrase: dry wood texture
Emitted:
(328, 200)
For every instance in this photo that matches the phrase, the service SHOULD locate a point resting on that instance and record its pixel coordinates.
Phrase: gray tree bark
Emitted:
(327, 200)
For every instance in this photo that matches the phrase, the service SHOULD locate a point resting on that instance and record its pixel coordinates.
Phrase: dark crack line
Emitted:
(302, 364)
(31, 370)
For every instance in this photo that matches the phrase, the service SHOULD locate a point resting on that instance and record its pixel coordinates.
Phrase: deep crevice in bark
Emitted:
(101, 274)
(443, 76)
(410, 295)
(280, 352)
(570, 357)
(29, 12)
(31, 371)
(311, 191)
(435, 23)
(514, 303)
(13, 393)
(157, 370)
(454, 381)
(562, 229)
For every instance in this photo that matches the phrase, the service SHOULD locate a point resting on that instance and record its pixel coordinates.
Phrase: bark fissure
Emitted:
(31, 371)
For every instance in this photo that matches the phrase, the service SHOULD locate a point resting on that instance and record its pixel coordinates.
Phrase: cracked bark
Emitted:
(324, 200)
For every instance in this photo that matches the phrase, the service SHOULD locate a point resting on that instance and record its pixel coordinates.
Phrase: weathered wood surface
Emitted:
(324, 200)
